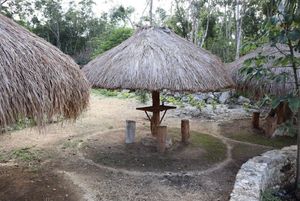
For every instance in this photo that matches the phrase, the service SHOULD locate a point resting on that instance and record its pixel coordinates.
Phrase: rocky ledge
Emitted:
(272, 169)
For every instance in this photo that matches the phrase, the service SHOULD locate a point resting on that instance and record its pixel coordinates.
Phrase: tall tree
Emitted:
(284, 27)
(239, 29)
(123, 14)
(53, 16)
(151, 13)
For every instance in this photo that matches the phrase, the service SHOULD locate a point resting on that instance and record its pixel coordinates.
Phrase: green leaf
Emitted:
(276, 102)
(294, 103)
(294, 35)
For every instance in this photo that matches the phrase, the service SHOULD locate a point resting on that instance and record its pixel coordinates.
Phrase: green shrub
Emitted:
(268, 195)
(105, 92)
(142, 96)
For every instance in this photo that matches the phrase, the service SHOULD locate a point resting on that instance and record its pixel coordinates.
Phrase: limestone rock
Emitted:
(242, 100)
(225, 96)
(272, 169)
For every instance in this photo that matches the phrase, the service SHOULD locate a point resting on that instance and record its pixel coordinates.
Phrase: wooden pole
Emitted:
(255, 120)
(271, 125)
(161, 138)
(130, 131)
(280, 113)
(185, 130)
(155, 120)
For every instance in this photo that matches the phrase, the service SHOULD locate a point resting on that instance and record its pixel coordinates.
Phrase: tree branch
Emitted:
(3, 2)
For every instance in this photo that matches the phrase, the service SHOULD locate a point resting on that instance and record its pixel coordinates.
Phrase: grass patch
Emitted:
(71, 144)
(202, 152)
(105, 92)
(2, 158)
(277, 142)
(215, 148)
(26, 154)
(113, 93)
(241, 152)
(172, 100)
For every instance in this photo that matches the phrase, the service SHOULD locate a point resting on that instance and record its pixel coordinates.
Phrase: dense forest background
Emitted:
(228, 28)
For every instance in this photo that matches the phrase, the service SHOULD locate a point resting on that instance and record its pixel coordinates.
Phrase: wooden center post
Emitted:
(155, 120)
(255, 120)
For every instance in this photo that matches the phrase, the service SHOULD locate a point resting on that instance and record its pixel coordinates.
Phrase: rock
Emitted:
(190, 111)
(200, 96)
(210, 95)
(177, 95)
(184, 99)
(125, 91)
(220, 109)
(217, 94)
(167, 93)
(273, 169)
(210, 100)
(241, 100)
(225, 96)
(280, 132)
(208, 110)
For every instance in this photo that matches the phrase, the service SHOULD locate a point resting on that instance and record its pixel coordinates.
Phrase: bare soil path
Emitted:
(52, 165)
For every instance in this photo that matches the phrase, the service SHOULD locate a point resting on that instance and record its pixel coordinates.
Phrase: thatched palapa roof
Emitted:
(154, 59)
(263, 85)
(36, 79)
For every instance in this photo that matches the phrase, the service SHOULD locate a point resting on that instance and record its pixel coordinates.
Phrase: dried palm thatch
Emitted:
(154, 59)
(264, 86)
(36, 79)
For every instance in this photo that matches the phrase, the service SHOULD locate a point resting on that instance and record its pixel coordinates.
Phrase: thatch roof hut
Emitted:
(37, 80)
(154, 59)
(264, 86)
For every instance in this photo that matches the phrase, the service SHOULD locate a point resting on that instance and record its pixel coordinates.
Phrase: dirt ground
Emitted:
(87, 160)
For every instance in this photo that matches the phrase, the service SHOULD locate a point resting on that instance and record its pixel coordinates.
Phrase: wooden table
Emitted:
(154, 109)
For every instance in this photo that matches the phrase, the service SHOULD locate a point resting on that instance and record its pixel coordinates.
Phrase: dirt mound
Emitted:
(197, 155)
(22, 184)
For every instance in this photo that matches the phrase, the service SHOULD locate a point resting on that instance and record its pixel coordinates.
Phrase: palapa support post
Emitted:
(161, 138)
(155, 120)
(271, 125)
(255, 120)
(130, 131)
(280, 111)
(185, 130)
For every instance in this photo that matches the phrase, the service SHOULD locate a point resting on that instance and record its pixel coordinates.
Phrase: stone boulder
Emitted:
(242, 100)
(272, 169)
(224, 98)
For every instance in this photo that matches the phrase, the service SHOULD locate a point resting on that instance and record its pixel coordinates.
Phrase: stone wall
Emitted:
(270, 170)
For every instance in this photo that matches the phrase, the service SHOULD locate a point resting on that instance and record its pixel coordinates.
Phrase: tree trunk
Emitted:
(238, 27)
(298, 157)
(1, 3)
(196, 32)
(297, 84)
(58, 36)
(150, 13)
(205, 33)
